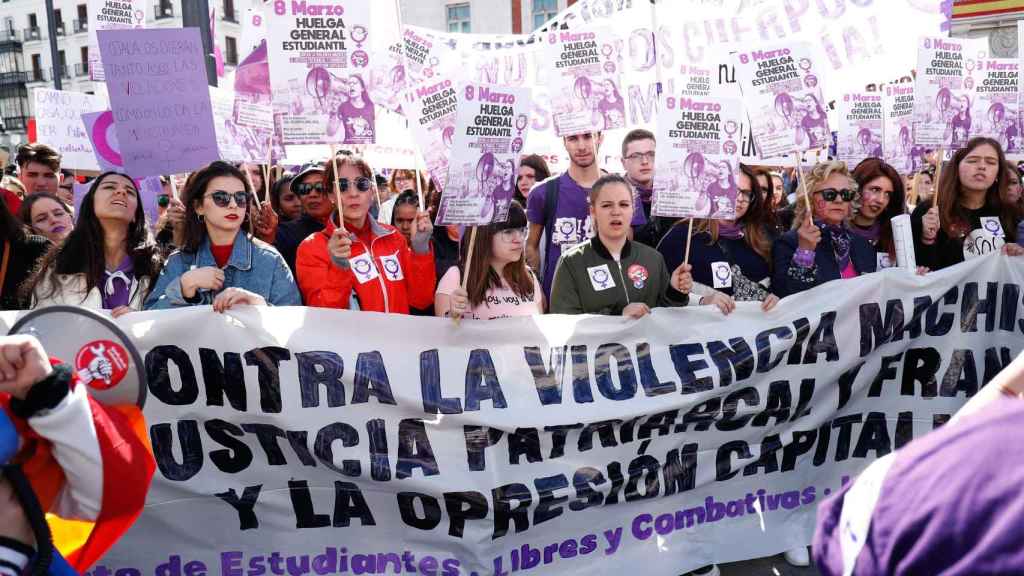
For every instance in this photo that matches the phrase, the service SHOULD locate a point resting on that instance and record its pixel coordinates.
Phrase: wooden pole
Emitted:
(337, 190)
(689, 238)
(469, 261)
(937, 183)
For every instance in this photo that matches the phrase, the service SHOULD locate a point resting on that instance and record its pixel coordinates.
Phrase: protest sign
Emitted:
(99, 127)
(159, 97)
(431, 110)
(584, 68)
(782, 95)
(942, 104)
(112, 15)
(672, 442)
(860, 127)
(994, 94)
(318, 56)
(490, 127)
(58, 124)
(222, 101)
(900, 150)
(695, 166)
(252, 114)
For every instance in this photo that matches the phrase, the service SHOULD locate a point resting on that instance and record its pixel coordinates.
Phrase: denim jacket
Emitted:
(254, 266)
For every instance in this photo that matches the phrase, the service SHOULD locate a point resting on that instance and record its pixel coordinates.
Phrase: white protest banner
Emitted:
(994, 95)
(584, 69)
(695, 170)
(899, 149)
(318, 56)
(112, 15)
(782, 95)
(430, 108)
(942, 107)
(59, 124)
(573, 445)
(490, 128)
(860, 127)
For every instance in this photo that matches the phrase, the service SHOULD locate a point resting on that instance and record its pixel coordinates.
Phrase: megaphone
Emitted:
(102, 355)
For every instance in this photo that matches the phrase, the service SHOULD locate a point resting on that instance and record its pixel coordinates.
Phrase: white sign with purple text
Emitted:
(584, 70)
(942, 103)
(899, 149)
(860, 127)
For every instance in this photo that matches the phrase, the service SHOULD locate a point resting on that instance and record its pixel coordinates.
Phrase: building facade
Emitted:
(994, 20)
(482, 16)
(25, 58)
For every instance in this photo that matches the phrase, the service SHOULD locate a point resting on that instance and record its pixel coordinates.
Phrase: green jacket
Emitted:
(589, 281)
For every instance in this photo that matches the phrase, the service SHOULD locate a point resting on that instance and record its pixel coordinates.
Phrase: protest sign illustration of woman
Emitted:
(357, 113)
(612, 107)
(814, 123)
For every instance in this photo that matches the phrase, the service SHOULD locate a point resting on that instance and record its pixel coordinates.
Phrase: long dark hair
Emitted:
(25, 212)
(280, 185)
(869, 170)
(82, 251)
(953, 216)
(195, 189)
(481, 276)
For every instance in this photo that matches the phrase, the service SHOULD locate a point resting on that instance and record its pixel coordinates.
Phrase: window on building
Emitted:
(37, 67)
(58, 18)
(83, 13)
(458, 17)
(62, 61)
(543, 10)
(33, 22)
(229, 11)
(230, 51)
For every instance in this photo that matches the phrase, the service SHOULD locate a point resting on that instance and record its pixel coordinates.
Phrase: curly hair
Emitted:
(813, 179)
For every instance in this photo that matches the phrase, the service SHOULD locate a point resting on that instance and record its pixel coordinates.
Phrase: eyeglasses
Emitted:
(511, 234)
(362, 184)
(743, 196)
(163, 200)
(636, 156)
(223, 199)
(303, 189)
(830, 194)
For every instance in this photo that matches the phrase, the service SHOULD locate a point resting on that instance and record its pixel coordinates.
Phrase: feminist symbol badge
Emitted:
(600, 277)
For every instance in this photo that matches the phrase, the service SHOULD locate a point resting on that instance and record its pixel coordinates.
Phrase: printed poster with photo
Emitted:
(319, 57)
(585, 69)
(942, 101)
(995, 112)
(899, 149)
(698, 141)
(490, 128)
(860, 127)
(782, 94)
(431, 108)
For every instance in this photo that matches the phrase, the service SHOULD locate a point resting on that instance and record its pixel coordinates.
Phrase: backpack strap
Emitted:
(550, 205)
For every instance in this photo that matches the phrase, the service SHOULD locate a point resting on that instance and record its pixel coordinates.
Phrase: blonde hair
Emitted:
(812, 180)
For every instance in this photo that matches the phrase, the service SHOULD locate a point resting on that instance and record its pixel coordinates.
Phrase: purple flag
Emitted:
(99, 126)
(160, 99)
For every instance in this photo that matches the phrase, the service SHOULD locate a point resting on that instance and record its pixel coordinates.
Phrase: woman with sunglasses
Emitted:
(358, 263)
(219, 262)
(611, 274)
(731, 259)
(500, 284)
(48, 216)
(317, 204)
(971, 219)
(109, 260)
(882, 198)
(821, 248)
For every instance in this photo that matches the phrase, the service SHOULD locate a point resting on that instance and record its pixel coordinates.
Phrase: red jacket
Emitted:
(387, 276)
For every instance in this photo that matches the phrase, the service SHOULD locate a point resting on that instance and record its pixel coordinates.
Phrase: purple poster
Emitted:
(490, 128)
(99, 126)
(160, 99)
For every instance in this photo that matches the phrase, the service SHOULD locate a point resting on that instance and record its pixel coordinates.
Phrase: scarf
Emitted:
(840, 244)
(730, 230)
(872, 233)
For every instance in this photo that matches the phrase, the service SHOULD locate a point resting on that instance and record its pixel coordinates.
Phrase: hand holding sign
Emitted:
(930, 225)
(340, 245)
(809, 234)
(682, 279)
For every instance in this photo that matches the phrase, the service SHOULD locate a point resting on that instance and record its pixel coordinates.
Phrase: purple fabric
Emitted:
(950, 504)
(871, 233)
(840, 244)
(729, 230)
(570, 221)
(645, 194)
(803, 258)
(116, 287)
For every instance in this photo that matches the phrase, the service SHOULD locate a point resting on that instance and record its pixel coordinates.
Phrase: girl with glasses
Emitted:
(220, 263)
(820, 247)
(971, 218)
(109, 260)
(731, 259)
(359, 263)
(499, 284)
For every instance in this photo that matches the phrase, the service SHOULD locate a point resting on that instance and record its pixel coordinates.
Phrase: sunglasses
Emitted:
(362, 184)
(163, 200)
(830, 194)
(223, 199)
(304, 189)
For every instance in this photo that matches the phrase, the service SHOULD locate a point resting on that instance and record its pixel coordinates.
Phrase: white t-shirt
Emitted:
(500, 303)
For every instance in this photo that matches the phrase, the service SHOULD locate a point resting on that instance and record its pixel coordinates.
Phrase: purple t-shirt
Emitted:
(116, 288)
(948, 503)
(571, 224)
